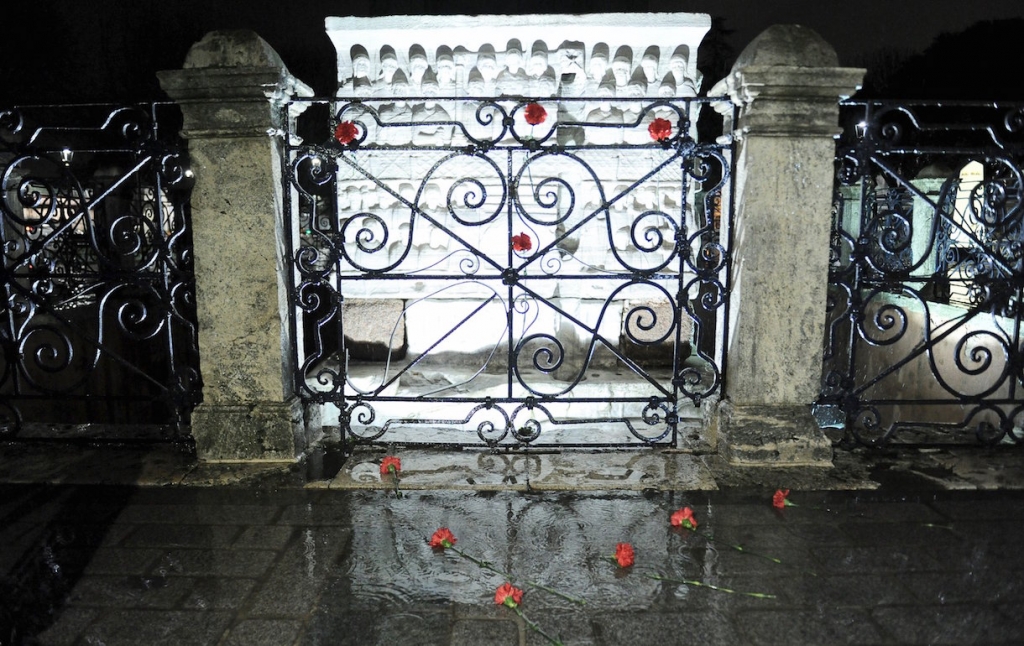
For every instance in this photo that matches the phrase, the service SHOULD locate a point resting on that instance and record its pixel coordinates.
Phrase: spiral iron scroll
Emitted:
(97, 283)
(926, 272)
(538, 189)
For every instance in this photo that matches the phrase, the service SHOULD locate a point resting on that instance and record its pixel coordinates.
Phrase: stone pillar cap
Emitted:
(787, 46)
(232, 48)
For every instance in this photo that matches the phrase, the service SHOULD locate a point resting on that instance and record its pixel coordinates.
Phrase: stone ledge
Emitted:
(771, 436)
(634, 470)
(254, 431)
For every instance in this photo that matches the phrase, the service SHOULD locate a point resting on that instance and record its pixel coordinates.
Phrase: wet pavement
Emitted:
(273, 558)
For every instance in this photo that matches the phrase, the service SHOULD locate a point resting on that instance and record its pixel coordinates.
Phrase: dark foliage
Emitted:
(983, 62)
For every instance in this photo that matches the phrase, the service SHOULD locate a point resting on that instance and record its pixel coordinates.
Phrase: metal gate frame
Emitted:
(328, 254)
(97, 330)
(924, 342)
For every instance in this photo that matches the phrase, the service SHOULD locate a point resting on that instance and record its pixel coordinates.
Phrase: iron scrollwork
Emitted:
(558, 248)
(99, 307)
(924, 341)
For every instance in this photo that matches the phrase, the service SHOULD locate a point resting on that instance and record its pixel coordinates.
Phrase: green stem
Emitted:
(487, 566)
(700, 584)
(554, 640)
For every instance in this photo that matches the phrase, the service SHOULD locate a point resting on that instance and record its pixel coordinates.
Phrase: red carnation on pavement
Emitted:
(390, 464)
(535, 114)
(346, 132)
(443, 538)
(684, 518)
(522, 242)
(624, 555)
(508, 595)
(660, 129)
(781, 499)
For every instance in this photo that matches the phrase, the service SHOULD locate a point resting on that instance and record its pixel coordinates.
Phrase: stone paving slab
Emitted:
(315, 567)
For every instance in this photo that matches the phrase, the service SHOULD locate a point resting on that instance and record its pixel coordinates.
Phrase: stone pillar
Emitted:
(229, 91)
(786, 84)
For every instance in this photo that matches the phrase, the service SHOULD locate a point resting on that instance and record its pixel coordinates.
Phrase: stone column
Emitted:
(786, 84)
(230, 91)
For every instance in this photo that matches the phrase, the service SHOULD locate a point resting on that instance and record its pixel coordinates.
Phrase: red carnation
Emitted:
(624, 554)
(390, 464)
(442, 538)
(522, 242)
(684, 518)
(660, 129)
(508, 595)
(535, 114)
(781, 499)
(346, 132)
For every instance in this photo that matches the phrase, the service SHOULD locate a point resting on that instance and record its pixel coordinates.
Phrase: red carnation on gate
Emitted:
(535, 114)
(442, 538)
(684, 518)
(390, 464)
(781, 499)
(624, 554)
(508, 595)
(660, 129)
(346, 132)
(522, 242)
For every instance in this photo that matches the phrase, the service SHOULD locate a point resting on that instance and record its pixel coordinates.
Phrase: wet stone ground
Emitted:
(102, 565)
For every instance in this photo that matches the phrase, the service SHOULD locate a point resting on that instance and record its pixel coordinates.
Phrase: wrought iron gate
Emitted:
(98, 318)
(924, 336)
(501, 272)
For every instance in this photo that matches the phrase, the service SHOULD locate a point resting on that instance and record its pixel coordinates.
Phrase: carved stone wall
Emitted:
(544, 55)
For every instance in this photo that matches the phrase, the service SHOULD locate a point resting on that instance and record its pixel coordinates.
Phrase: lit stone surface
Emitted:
(532, 55)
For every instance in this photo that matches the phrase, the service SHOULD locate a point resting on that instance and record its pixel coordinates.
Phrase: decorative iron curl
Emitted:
(365, 238)
(132, 314)
(645, 319)
(864, 423)
(545, 358)
(652, 415)
(473, 191)
(528, 432)
(486, 113)
(997, 201)
(173, 169)
(131, 124)
(12, 121)
(313, 172)
(550, 199)
(889, 319)
(487, 427)
(364, 415)
(652, 235)
(313, 262)
(1013, 121)
(848, 169)
(987, 432)
(551, 263)
(47, 350)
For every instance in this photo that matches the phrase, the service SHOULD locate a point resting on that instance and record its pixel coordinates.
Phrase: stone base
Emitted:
(256, 431)
(771, 436)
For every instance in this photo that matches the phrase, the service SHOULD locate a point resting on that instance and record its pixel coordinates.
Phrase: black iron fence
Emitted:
(925, 310)
(97, 326)
(508, 271)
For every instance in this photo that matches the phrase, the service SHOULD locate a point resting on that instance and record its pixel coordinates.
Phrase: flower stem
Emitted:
(740, 548)
(554, 640)
(487, 566)
(700, 584)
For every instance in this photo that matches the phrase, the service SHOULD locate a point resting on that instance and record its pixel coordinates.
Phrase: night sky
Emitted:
(99, 50)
